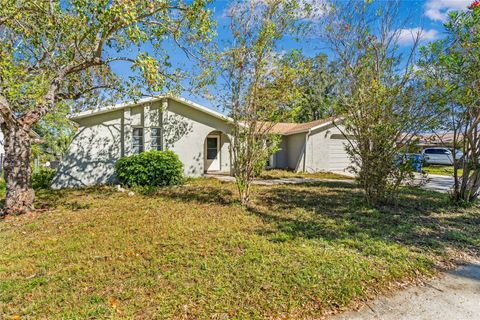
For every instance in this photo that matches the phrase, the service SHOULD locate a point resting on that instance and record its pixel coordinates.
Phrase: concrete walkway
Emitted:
(439, 183)
(272, 182)
(434, 182)
(455, 295)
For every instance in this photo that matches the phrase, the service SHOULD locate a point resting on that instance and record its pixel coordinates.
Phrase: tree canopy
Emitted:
(55, 52)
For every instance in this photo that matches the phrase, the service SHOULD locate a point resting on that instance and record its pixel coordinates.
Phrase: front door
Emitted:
(212, 153)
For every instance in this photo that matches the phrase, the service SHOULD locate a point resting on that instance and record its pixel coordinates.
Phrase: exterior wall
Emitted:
(186, 137)
(102, 139)
(225, 161)
(280, 158)
(93, 152)
(295, 151)
(318, 155)
(311, 155)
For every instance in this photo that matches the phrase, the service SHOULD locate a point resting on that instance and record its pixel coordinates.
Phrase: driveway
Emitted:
(439, 183)
(270, 182)
(455, 295)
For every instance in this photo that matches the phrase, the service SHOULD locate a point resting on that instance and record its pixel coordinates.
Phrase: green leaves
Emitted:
(150, 168)
(261, 81)
(377, 100)
(450, 71)
(150, 70)
(78, 41)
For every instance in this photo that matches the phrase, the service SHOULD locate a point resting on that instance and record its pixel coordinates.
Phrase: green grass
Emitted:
(191, 252)
(441, 170)
(280, 174)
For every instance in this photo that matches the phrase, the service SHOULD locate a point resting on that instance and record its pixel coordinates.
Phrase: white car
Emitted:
(442, 156)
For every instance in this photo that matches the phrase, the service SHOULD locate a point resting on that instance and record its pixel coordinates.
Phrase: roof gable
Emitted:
(92, 113)
(288, 128)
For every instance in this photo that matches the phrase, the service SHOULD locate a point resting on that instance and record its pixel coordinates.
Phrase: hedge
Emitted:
(150, 168)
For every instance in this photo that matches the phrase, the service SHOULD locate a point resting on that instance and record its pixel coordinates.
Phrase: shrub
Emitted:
(43, 178)
(151, 168)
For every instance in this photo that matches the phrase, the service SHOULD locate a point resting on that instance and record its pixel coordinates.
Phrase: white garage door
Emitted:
(338, 157)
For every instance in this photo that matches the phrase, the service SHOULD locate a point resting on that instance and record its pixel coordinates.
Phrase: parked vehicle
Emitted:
(441, 156)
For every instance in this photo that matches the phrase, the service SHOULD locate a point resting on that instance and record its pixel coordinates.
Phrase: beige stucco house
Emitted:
(198, 135)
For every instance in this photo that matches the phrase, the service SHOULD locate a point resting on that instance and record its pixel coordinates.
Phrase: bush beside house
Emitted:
(43, 178)
(151, 168)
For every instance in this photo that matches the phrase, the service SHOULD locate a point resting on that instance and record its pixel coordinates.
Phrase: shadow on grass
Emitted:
(73, 199)
(336, 211)
(218, 193)
(330, 211)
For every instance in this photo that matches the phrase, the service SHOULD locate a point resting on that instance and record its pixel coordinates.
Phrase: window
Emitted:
(156, 139)
(137, 145)
(437, 151)
(212, 148)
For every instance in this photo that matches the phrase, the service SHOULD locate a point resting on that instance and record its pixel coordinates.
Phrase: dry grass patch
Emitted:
(191, 252)
(281, 174)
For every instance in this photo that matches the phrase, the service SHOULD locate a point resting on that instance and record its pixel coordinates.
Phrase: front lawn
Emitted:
(191, 252)
(441, 170)
(281, 174)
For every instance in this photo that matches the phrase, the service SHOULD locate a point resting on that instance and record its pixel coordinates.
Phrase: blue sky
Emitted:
(425, 16)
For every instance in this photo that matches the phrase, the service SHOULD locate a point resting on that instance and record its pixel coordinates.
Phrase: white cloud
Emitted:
(438, 10)
(408, 36)
(312, 10)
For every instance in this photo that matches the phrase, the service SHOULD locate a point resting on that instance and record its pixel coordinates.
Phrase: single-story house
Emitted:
(198, 135)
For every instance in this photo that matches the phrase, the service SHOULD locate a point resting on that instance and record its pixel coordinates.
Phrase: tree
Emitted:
(260, 82)
(377, 98)
(53, 52)
(450, 69)
(317, 88)
(56, 132)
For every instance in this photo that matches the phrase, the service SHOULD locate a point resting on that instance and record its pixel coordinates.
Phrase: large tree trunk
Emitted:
(17, 170)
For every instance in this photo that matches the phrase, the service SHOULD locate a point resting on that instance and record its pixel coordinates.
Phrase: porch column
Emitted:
(127, 129)
(147, 132)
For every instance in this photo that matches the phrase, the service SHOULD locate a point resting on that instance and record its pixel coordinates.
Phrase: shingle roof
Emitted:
(287, 128)
(439, 138)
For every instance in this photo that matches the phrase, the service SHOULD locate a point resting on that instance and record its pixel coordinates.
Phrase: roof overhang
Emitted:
(191, 104)
(324, 125)
(196, 106)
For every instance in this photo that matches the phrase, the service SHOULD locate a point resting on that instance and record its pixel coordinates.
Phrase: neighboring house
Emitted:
(441, 139)
(198, 135)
